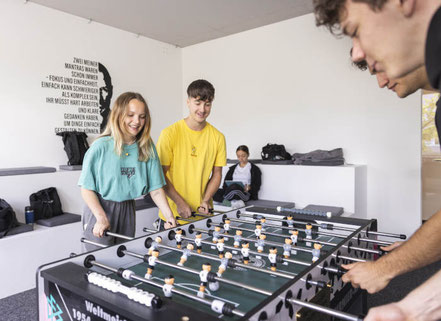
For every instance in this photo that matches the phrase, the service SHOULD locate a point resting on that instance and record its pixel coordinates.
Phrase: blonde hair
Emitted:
(116, 129)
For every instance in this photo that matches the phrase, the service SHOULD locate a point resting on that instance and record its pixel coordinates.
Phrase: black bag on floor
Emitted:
(46, 203)
(75, 145)
(8, 220)
(274, 152)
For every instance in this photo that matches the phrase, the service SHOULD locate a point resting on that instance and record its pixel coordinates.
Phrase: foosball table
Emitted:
(246, 264)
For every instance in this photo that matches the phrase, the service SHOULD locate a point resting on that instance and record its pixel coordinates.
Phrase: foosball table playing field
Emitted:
(247, 264)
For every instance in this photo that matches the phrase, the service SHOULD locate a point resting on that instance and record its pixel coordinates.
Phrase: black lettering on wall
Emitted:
(85, 92)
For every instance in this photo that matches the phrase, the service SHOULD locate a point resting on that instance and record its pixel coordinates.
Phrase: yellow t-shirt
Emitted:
(191, 156)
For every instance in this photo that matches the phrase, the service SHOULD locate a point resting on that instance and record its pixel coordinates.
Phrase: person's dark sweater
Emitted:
(256, 179)
(433, 62)
(433, 51)
(438, 119)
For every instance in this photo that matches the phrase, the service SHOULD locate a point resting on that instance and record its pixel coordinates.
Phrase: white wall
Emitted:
(36, 41)
(16, 190)
(292, 83)
(341, 186)
(287, 83)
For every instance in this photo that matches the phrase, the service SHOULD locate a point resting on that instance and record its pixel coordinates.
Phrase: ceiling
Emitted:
(183, 22)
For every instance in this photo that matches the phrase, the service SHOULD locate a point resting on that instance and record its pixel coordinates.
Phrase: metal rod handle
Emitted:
(83, 240)
(349, 258)
(120, 236)
(326, 310)
(372, 241)
(386, 234)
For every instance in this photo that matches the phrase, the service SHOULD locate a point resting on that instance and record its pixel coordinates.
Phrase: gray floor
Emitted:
(23, 306)
(19, 307)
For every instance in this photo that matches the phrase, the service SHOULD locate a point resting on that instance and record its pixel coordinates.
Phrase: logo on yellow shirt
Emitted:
(193, 151)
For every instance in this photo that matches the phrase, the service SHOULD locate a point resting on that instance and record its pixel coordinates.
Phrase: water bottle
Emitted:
(29, 215)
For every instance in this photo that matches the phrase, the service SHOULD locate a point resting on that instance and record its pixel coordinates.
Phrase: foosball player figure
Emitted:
(258, 230)
(272, 257)
(151, 264)
(289, 221)
(216, 234)
(308, 233)
(261, 243)
(227, 226)
(263, 223)
(203, 275)
(224, 264)
(287, 247)
(237, 238)
(294, 236)
(220, 247)
(186, 254)
(198, 242)
(245, 252)
(178, 237)
(316, 252)
(168, 285)
(154, 245)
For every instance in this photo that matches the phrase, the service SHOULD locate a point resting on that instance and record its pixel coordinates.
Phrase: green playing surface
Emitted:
(242, 298)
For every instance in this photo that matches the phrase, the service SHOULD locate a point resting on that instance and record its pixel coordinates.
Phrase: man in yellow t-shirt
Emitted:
(192, 154)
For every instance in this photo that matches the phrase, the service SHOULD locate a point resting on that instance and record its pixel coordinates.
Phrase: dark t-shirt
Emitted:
(438, 119)
(433, 51)
(433, 62)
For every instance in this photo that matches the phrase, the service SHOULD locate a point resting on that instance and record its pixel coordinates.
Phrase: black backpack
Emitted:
(274, 152)
(8, 220)
(46, 203)
(75, 145)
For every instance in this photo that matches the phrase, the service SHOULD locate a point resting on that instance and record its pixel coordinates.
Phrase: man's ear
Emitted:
(407, 7)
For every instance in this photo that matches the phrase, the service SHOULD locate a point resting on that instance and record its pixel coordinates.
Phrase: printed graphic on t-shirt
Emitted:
(193, 151)
(129, 171)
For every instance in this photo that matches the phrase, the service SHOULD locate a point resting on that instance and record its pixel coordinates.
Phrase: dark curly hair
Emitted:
(328, 12)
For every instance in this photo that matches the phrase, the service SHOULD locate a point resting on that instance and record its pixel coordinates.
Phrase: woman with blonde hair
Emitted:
(121, 165)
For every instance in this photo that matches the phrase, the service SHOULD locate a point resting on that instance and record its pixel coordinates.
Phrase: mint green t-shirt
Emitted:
(119, 178)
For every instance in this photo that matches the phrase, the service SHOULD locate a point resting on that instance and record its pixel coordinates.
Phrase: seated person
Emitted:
(245, 172)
